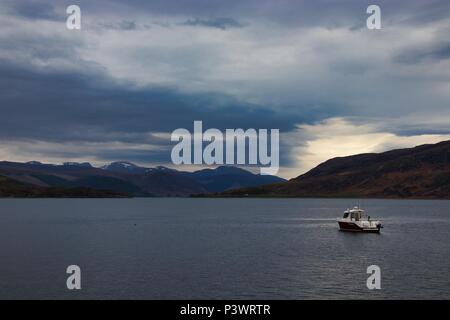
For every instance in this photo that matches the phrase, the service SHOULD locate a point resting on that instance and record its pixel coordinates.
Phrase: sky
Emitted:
(138, 70)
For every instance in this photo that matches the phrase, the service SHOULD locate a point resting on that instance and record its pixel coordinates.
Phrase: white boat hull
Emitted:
(359, 226)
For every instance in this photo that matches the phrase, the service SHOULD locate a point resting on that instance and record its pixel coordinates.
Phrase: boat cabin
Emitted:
(354, 214)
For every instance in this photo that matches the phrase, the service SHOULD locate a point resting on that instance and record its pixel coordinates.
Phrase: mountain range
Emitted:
(119, 179)
(419, 172)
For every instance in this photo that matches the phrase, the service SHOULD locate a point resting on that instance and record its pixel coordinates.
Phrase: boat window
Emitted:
(345, 214)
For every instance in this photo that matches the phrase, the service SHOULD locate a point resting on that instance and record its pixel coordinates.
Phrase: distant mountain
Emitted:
(124, 167)
(227, 178)
(180, 183)
(420, 172)
(167, 182)
(75, 164)
(126, 178)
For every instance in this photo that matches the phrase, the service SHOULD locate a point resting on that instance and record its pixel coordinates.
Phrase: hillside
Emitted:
(420, 172)
(10, 188)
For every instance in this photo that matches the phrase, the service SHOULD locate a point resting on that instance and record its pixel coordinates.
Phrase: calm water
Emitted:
(221, 249)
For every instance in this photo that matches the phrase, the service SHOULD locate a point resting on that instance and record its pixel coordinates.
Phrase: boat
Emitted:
(355, 220)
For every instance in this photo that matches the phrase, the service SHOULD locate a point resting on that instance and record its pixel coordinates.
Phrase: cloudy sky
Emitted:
(137, 70)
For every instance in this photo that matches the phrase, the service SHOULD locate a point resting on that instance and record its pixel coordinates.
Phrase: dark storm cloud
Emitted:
(121, 25)
(350, 13)
(33, 9)
(62, 106)
(220, 23)
(67, 107)
(139, 156)
(429, 11)
(42, 99)
(331, 14)
(437, 51)
(415, 131)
